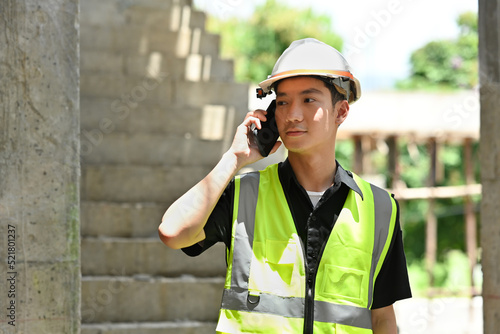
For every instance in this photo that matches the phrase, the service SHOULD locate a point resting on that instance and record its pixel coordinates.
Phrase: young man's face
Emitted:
(306, 119)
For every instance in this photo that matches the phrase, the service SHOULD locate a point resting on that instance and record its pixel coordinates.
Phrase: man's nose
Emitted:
(294, 113)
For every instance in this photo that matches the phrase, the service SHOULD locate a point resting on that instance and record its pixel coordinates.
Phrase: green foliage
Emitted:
(468, 23)
(412, 217)
(344, 151)
(414, 162)
(451, 274)
(419, 280)
(451, 227)
(256, 43)
(457, 269)
(447, 64)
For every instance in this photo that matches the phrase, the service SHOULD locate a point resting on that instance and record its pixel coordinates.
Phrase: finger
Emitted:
(249, 120)
(258, 113)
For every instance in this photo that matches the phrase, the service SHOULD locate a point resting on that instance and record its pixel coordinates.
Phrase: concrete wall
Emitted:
(39, 167)
(489, 69)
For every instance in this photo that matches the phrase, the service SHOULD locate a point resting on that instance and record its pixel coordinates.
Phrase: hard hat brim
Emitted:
(267, 84)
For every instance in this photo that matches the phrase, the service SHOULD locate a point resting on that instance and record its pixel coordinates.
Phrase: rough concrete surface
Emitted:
(39, 167)
(489, 75)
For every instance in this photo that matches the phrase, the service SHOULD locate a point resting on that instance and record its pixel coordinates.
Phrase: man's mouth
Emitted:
(295, 132)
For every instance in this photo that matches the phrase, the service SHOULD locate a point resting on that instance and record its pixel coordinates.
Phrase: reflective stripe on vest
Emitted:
(244, 229)
(383, 214)
(238, 297)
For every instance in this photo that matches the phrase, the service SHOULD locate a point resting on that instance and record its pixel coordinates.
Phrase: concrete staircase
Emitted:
(158, 108)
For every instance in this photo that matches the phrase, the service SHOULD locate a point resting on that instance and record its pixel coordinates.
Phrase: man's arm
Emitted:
(384, 320)
(183, 222)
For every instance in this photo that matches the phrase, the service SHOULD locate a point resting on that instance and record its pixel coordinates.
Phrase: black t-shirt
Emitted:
(314, 225)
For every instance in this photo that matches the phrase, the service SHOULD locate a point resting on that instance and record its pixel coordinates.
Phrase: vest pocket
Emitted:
(343, 284)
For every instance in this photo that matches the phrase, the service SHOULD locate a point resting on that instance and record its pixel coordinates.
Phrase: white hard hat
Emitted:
(311, 57)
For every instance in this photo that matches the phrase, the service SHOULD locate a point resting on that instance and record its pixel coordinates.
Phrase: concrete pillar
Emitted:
(39, 167)
(489, 69)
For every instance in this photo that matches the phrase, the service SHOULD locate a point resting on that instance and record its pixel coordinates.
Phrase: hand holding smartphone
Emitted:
(267, 136)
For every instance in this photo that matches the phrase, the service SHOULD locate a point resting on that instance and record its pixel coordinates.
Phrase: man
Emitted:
(311, 247)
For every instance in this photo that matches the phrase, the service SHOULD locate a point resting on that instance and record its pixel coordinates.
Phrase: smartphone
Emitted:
(267, 136)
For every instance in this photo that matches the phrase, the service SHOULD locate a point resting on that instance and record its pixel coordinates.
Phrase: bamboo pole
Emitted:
(470, 216)
(358, 155)
(393, 161)
(431, 226)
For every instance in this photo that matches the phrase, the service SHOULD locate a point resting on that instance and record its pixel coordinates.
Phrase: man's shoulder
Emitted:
(375, 188)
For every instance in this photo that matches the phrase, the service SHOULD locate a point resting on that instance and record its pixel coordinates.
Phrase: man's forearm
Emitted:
(384, 321)
(183, 222)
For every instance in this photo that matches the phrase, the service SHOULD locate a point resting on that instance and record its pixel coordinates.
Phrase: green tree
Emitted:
(256, 43)
(447, 63)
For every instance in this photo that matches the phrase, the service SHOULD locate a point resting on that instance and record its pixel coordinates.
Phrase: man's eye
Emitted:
(308, 100)
(280, 103)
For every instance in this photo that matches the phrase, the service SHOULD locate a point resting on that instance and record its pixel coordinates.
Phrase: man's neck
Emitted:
(314, 173)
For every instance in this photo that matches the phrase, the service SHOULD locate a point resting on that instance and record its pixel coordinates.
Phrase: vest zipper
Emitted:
(309, 309)
(311, 286)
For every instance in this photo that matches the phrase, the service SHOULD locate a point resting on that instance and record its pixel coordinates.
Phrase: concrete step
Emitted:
(141, 40)
(128, 257)
(118, 12)
(134, 90)
(102, 116)
(198, 94)
(116, 183)
(123, 220)
(150, 299)
(173, 17)
(177, 327)
(195, 67)
(122, 115)
(187, 42)
(130, 89)
(149, 149)
(135, 65)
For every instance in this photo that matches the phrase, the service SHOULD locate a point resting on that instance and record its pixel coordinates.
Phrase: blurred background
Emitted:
(173, 79)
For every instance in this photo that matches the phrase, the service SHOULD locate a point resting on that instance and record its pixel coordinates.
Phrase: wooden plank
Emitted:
(405, 194)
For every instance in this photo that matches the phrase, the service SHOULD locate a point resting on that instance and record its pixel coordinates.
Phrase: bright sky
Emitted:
(379, 35)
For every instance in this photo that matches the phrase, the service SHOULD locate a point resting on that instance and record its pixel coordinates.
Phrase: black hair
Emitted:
(336, 96)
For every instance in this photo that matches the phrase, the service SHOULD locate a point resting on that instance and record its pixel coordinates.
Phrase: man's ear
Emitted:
(342, 111)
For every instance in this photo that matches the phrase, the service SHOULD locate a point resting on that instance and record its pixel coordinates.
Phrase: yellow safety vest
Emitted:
(265, 283)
